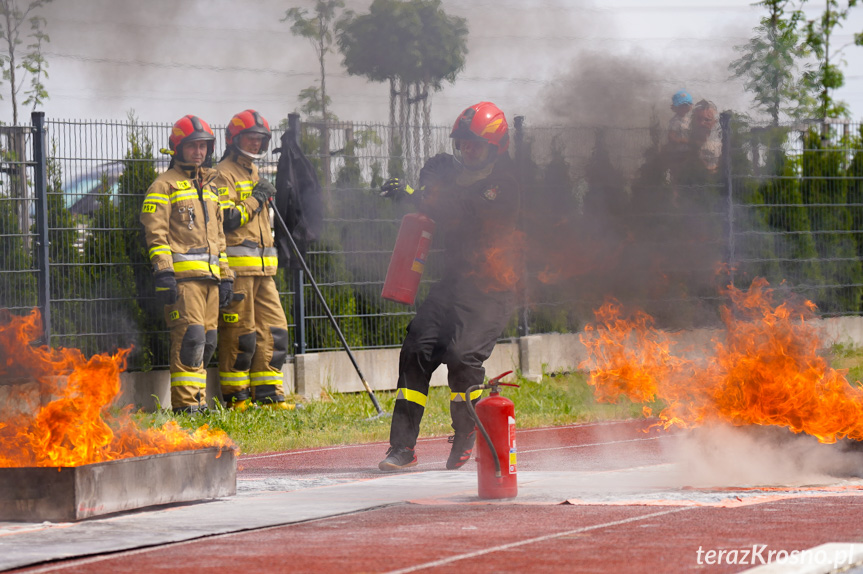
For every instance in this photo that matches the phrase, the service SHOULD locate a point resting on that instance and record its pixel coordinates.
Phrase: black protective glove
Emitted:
(394, 188)
(263, 191)
(226, 292)
(166, 287)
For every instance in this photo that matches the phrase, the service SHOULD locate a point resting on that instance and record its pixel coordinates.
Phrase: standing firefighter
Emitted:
(253, 330)
(183, 229)
(473, 198)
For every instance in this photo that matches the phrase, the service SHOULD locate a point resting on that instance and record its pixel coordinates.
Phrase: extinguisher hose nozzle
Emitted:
(497, 471)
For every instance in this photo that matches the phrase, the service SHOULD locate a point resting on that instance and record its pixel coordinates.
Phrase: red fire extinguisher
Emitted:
(496, 450)
(408, 260)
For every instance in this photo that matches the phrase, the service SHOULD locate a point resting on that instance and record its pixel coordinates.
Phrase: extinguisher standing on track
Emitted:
(495, 447)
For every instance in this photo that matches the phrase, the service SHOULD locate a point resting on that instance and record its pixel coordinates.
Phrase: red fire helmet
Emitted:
(483, 121)
(191, 128)
(248, 122)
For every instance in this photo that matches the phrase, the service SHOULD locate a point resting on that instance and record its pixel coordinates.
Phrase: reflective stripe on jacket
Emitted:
(248, 235)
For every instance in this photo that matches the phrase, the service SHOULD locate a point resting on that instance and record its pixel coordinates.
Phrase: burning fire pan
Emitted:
(73, 493)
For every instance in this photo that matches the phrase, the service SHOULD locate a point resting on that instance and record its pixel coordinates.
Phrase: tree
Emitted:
(17, 66)
(829, 76)
(442, 45)
(318, 29)
(378, 46)
(769, 63)
(415, 46)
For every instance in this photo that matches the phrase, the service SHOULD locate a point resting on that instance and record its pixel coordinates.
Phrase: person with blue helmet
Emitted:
(678, 127)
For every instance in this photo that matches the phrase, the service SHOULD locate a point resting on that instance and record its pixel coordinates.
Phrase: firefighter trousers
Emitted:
(193, 322)
(457, 327)
(253, 343)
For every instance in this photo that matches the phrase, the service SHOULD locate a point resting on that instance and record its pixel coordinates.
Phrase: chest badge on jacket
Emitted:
(490, 194)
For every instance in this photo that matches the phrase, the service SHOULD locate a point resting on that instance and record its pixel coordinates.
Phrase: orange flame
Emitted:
(498, 267)
(768, 370)
(75, 428)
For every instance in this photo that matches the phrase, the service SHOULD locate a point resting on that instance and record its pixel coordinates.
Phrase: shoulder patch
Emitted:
(490, 194)
(183, 184)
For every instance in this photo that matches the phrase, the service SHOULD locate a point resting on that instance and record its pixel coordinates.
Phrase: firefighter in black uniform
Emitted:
(472, 195)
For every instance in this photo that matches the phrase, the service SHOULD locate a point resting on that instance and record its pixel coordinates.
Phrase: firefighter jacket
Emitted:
(183, 224)
(477, 221)
(249, 237)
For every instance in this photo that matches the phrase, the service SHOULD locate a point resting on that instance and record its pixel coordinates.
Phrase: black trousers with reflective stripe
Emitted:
(457, 325)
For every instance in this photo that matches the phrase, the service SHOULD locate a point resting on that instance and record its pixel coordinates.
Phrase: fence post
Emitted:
(523, 310)
(299, 307)
(40, 184)
(725, 124)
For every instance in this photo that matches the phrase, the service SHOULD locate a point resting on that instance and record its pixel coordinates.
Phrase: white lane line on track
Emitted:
(341, 447)
(451, 559)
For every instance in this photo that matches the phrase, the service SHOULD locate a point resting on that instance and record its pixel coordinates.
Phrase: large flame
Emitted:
(768, 369)
(74, 427)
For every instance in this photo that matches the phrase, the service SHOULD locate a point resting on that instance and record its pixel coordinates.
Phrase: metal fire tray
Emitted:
(65, 494)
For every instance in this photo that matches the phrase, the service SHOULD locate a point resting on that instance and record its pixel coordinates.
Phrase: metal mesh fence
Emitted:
(605, 212)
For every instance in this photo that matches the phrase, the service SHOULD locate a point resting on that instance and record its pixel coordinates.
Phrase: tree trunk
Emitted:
(416, 130)
(10, 43)
(426, 121)
(393, 94)
(403, 121)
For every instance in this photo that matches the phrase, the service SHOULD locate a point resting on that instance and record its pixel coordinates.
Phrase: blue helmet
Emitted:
(681, 98)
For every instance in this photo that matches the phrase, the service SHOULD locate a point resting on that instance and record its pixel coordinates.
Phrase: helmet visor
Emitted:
(473, 154)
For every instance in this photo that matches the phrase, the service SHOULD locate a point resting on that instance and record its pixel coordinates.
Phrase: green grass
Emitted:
(843, 356)
(343, 420)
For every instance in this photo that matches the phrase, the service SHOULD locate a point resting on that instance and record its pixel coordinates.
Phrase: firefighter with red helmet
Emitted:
(253, 330)
(473, 197)
(183, 230)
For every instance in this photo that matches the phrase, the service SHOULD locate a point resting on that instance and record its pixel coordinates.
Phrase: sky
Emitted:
(553, 61)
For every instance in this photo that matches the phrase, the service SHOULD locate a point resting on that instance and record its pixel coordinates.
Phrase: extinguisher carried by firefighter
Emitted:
(495, 447)
(408, 260)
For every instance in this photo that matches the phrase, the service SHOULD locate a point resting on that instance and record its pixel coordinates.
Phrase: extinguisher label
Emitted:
(512, 447)
(422, 252)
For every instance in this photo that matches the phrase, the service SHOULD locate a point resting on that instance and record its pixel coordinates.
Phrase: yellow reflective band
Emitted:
(159, 249)
(459, 397)
(227, 204)
(412, 396)
(156, 198)
(184, 379)
(244, 214)
(214, 269)
(182, 196)
(243, 185)
(266, 378)
(180, 266)
(231, 379)
(211, 196)
(248, 261)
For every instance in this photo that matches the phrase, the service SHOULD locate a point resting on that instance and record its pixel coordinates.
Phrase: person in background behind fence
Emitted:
(253, 330)
(678, 125)
(473, 198)
(183, 230)
(704, 136)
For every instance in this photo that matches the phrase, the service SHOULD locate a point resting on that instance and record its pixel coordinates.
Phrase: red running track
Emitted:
(500, 537)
